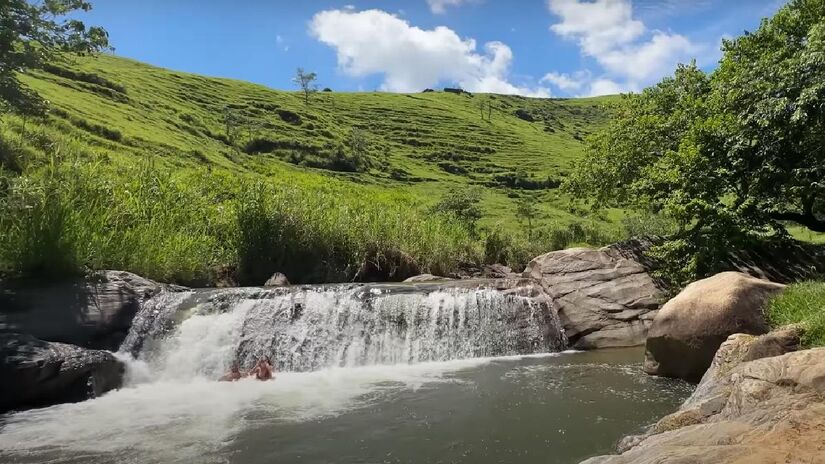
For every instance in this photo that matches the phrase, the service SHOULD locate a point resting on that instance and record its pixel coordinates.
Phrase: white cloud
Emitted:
(598, 26)
(281, 43)
(410, 58)
(440, 6)
(630, 56)
(607, 87)
(568, 82)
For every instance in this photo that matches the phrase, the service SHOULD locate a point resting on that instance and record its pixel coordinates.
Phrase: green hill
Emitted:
(123, 117)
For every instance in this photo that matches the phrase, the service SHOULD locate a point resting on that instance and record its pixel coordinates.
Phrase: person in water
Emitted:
(263, 370)
(234, 373)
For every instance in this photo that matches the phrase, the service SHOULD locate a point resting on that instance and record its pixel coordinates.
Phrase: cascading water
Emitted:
(310, 328)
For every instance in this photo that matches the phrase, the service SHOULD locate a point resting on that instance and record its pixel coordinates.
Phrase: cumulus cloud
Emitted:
(568, 82)
(440, 6)
(630, 56)
(410, 58)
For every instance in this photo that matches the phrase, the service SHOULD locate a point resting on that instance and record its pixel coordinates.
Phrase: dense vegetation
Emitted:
(731, 157)
(197, 180)
(801, 304)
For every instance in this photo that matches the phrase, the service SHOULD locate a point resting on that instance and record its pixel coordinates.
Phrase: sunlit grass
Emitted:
(802, 304)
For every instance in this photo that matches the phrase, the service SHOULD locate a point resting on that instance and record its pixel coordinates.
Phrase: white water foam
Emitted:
(182, 420)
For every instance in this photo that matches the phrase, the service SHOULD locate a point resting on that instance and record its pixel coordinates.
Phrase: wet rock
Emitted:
(760, 402)
(92, 312)
(277, 280)
(426, 278)
(483, 271)
(37, 373)
(689, 328)
(604, 298)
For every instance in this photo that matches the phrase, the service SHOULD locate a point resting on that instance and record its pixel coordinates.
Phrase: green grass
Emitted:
(802, 304)
(136, 168)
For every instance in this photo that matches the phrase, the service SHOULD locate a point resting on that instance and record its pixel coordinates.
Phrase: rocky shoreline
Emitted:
(760, 402)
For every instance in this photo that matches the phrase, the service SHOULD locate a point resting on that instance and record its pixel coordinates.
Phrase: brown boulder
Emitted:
(689, 328)
(604, 298)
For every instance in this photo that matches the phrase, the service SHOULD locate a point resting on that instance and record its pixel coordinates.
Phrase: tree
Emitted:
(728, 156)
(306, 82)
(232, 122)
(463, 204)
(33, 34)
(526, 210)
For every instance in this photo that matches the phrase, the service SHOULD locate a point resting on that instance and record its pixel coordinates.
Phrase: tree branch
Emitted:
(807, 219)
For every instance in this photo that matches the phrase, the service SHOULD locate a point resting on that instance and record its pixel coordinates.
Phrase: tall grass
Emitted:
(803, 304)
(69, 212)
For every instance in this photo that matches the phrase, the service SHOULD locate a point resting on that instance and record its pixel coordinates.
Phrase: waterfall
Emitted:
(200, 332)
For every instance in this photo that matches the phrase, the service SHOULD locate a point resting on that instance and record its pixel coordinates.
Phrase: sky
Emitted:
(538, 48)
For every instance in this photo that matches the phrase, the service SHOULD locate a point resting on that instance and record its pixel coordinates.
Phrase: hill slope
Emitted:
(412, 147)
(426, 141)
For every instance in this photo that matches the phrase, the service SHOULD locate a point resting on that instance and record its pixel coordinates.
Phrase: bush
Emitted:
(803, 304)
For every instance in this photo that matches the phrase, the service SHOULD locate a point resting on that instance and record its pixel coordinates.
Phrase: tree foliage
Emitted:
(729, 155)
(36, 33)
(306, 82)
(463, 204)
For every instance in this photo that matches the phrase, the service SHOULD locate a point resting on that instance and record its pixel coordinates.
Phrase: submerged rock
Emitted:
(604, 298)
(277, 280)
(93, 312)
(689, 328)
(760, 402)
(38, 373)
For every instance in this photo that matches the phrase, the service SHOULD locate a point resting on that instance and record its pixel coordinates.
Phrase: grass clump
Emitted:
(802, 304)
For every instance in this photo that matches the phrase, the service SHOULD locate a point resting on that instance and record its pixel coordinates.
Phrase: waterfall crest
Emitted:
(200, 332)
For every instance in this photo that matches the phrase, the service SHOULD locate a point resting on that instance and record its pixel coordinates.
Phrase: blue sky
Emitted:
(528, 47)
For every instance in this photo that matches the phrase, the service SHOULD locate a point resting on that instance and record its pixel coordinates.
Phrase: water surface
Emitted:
(556, 408)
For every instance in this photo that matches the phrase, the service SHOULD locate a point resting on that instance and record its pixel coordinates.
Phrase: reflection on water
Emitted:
(550, 409)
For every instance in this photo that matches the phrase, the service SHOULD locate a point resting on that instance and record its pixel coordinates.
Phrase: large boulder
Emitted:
(38, 373)
(761, 402)
(689, 328)
(605, 299)
(92, 312)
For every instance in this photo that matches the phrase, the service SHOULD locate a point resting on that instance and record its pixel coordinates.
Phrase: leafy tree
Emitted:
(232, 121)
(33, 34)
(306, 82)
(526, 210)
(463, 204)
(728, 156)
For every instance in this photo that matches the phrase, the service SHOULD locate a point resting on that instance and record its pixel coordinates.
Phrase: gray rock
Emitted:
(761, 401)
(689, 328)
(604, 298)
(277, 280)
(93, 312)
(426, 278)
(37, 373)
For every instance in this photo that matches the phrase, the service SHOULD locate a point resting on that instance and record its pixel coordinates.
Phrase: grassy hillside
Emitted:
(122, 117)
